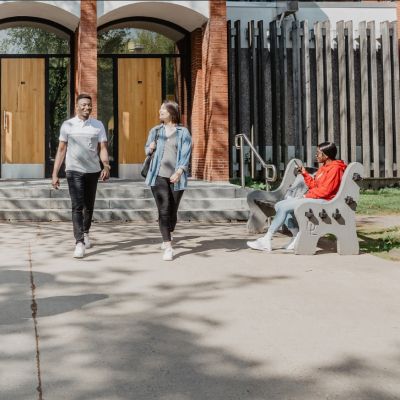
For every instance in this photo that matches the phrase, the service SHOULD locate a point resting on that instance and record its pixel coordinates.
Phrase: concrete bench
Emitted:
(336, 217)
(261, 203)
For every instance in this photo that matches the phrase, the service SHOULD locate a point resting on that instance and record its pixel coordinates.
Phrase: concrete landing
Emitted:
(219, 322)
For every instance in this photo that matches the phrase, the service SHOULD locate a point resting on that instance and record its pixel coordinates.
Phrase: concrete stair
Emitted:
(120, 200)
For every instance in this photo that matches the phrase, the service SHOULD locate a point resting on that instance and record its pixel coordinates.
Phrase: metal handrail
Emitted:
(239, 138)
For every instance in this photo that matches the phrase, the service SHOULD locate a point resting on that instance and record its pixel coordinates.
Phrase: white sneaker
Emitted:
(262, 244)
(79, 250)
(163, 245)
(86, 239)
(291, 245)
(168, 254)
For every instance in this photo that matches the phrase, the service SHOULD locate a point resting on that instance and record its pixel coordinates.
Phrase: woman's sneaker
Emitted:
(168, 254)
(262, 244)
(291, 245)
(163, 245)
(86, 239)
(79, 250)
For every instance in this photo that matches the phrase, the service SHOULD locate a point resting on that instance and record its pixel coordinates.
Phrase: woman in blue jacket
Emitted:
(168, 170)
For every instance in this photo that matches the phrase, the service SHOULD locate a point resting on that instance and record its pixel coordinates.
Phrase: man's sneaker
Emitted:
(292, 243)
(168, 254)
(79, 250)
(86, 239)
(262, 244)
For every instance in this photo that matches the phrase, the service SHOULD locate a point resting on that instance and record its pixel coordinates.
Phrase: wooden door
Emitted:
(22, 111)
(139, 99)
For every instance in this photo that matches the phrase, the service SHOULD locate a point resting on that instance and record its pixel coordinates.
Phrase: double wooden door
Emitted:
(23, 113)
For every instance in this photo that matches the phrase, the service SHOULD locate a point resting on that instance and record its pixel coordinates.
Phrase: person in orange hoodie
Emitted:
(321, 188)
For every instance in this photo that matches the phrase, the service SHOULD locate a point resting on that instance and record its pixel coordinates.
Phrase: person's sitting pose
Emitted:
(322, 188)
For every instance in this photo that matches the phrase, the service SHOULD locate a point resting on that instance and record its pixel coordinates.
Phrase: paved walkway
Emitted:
(220, 322)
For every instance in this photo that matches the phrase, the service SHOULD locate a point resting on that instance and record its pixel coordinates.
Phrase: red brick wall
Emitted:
(210, 158)
(86, 52)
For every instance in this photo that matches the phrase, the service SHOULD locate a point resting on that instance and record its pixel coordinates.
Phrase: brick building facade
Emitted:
(205, 86)
(208, 106)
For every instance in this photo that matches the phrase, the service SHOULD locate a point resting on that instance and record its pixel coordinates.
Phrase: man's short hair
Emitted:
(83, 96)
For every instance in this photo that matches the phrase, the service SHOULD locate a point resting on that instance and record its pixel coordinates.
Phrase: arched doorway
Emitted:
(141, 61)
(36, 85)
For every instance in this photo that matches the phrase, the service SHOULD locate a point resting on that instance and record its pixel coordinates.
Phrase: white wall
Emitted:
(315, 11)
(65, 13)
(187, 14)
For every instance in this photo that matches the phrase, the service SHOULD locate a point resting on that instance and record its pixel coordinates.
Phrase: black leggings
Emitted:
(167, 200)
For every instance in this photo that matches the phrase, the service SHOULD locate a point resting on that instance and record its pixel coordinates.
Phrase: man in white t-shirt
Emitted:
(81, 138)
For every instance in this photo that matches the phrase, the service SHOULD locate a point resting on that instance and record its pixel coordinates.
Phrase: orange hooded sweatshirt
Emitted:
(326, 182)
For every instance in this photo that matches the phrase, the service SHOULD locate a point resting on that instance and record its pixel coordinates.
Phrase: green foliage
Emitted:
(382, 201)
(31, 40)
(381, 240)
(250, 183)
(115, 41)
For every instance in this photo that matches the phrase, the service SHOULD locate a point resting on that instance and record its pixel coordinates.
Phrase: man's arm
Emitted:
(62, 149)
(105, 173)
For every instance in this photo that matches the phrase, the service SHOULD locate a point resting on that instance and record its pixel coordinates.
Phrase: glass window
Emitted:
(134, 41)
(32, 40)
(105, 101)
(59, 99)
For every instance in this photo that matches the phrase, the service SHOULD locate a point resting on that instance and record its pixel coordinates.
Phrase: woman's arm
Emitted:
(150, 144)
(186, 151)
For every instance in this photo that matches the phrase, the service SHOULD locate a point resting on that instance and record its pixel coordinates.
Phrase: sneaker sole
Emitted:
(259, 249)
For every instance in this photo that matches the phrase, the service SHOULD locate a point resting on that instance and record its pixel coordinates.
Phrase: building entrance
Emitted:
(139, 98)
(23, 117)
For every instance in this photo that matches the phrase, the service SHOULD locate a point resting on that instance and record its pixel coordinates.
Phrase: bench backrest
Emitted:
(348, 186)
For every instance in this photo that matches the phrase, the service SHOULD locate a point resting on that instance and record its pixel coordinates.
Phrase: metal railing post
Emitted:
(239, 143)
(242, 177)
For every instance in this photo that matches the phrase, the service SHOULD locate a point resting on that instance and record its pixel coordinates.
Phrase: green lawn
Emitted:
(383, 201)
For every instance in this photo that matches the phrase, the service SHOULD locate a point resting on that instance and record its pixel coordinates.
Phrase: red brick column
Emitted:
(210, 159)
(86, 52)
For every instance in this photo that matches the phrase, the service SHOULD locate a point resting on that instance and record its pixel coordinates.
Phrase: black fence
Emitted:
(292, 86)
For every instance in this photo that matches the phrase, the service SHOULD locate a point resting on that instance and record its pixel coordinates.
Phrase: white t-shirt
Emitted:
(83, 138)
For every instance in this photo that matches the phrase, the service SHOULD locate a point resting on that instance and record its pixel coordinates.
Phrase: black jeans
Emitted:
(82, 190)
(167, 201)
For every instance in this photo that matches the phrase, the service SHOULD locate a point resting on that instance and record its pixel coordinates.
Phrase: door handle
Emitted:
(5, 120)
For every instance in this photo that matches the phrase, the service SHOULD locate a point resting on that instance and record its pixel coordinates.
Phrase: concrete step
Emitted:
(120, 200)
(138, 215)
(121, 203)
(115, 191)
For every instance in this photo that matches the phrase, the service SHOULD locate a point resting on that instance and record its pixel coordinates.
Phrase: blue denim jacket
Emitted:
(184, 142)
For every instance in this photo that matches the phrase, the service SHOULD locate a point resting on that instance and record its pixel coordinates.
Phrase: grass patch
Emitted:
(381, 242)
(379, 202)
(384, 243)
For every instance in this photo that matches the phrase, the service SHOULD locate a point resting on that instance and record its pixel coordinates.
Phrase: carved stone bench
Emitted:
(261, 203)
(336, 217)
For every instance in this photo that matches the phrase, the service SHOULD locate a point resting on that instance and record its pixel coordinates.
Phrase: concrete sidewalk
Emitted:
(220, 322)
